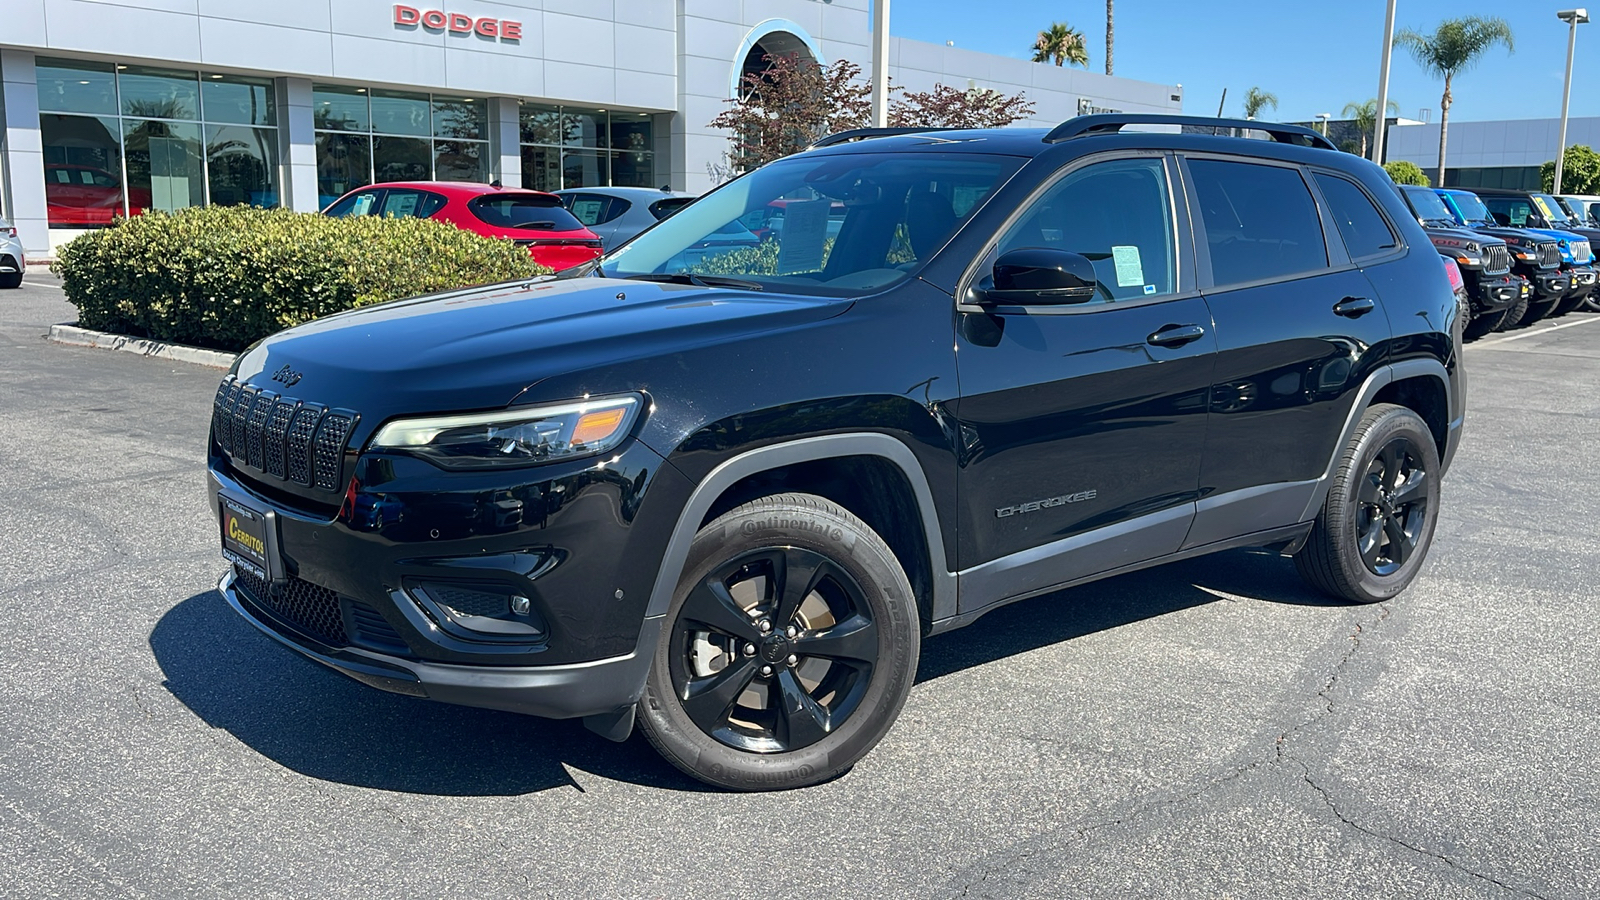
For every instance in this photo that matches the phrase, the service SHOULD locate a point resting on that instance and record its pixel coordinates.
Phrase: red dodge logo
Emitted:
(456, 23)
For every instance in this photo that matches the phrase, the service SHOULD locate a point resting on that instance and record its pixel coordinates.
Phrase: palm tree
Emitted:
(1365, 115)
(1110, 30)
(1451, 49)
(1061, 43)
(1255, 100)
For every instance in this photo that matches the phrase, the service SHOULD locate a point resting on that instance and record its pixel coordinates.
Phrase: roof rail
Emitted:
(1111, 123)
(840, 137)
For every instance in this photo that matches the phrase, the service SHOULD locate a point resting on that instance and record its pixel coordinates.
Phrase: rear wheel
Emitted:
(1377, 522)
(1482, 325)
(788, 651)
(11, 280)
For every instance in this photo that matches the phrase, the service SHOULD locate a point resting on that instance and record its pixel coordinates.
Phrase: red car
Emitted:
(533, 219)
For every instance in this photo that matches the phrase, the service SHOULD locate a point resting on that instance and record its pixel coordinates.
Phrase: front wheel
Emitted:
(1591, 303)
(788, 651)
(1482, 325)
(1514, 314)
(1377, 522)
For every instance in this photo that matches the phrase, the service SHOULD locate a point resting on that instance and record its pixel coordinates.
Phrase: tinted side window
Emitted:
(663, 208)
(590, 209)
(1260, 221)
(1363, 228)
(405, 204)
(1119, 215)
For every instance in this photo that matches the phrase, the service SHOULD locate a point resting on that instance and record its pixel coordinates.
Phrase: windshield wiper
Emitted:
(697, 280)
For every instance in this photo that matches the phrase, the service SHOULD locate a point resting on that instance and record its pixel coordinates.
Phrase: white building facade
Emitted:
(1493, 154)
(113, 106)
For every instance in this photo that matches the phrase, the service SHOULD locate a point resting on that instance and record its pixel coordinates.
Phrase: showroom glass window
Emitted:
(366, 136)
(119, 139)
(569, 147)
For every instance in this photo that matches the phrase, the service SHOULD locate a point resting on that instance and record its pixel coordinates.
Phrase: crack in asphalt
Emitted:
(1275, 764)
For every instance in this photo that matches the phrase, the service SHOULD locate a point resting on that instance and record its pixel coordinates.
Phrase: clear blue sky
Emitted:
(1315, 56)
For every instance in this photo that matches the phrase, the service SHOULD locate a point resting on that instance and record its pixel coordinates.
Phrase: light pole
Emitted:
(1324, 117)
(880, 63)
(1573, 17)
(1383, 88)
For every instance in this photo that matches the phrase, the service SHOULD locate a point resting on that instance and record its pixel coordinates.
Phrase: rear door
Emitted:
(1082, 424)
(1298, 329)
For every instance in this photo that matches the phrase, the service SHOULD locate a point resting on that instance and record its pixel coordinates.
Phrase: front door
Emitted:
(1082, 424)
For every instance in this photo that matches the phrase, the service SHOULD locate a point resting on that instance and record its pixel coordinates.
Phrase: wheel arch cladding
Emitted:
(826, 465)
(1426, 395)
(872, 488)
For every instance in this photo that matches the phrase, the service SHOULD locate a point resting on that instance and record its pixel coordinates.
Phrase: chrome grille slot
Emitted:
(1549, 255)
(1496, 260)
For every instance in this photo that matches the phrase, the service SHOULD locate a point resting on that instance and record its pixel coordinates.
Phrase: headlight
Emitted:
(524, 436)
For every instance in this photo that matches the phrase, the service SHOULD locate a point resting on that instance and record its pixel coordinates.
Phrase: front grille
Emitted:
(1549, 255)
(310, 607)
(1496, 260)
(284, 438)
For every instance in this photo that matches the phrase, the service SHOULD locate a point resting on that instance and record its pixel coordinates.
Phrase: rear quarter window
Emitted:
(663, 208)
(1363, 228)
(527, 213)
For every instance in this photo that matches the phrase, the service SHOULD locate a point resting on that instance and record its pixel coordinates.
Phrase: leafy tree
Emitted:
(1580, 171)
(1453, 47)
(1063, 44)
(789, 106)
(1406, 172)
(1255, 100)
(1110, 30)
(947, 107)
(1365, 116)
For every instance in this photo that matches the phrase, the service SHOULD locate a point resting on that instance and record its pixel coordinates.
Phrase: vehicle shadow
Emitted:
(1075, 612)
(319, 723)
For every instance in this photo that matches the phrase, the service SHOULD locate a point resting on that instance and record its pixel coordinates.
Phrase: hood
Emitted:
(479, 348)
(1461, 234)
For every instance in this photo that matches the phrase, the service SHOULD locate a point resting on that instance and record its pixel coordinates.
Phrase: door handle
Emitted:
(1176, 335)
(1354, 307)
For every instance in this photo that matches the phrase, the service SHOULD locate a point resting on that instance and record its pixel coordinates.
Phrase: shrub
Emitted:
(1407, 173)
(226, 276)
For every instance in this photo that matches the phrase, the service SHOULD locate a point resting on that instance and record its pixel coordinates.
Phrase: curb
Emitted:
(101, 340)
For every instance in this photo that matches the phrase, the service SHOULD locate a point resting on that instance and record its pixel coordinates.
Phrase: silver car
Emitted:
(12, 262)
(616, 214)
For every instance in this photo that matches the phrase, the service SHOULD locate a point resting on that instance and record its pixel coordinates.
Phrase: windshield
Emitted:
(849, 222)
(1552, 210)
(1428, 207)
(1472, 209)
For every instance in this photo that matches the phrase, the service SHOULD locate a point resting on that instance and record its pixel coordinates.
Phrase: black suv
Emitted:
(728, 494)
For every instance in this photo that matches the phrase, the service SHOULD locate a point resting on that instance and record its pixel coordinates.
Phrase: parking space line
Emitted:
(1517, 337)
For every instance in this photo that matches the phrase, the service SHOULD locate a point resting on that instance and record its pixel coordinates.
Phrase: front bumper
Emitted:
(1492, 293)
(558, 692)
(1582, 281)
(1550, 285)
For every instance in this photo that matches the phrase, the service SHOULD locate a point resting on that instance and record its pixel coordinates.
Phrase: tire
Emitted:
(1376, 525)
(1537, 310)
(1485, 323)
(1514, 314)
(734, 726)
(11, 280)
(1568, 304)
(1591, 303)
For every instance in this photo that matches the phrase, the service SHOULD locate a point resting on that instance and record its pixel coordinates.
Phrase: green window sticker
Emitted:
(1130, 271)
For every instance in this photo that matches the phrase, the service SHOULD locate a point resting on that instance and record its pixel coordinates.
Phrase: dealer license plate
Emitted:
(244, 533)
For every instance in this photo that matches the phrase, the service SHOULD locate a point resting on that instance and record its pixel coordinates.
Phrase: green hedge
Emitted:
(226, 276)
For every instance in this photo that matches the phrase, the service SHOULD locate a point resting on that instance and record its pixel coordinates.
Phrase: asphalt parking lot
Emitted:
(1208, 729)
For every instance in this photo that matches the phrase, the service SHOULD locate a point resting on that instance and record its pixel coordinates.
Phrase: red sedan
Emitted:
(532, 219)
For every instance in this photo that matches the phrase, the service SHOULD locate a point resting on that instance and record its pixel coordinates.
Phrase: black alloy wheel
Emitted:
(1395, 500)
(773, 650)
(1372, 535)
(788, 650)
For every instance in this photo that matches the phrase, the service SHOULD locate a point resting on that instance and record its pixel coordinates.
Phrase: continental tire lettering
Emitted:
(813, 526)
(723, 773)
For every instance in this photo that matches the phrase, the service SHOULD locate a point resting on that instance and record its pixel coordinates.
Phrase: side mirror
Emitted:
(1040, 275)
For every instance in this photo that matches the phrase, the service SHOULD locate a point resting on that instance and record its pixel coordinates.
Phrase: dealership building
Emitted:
(113, 106)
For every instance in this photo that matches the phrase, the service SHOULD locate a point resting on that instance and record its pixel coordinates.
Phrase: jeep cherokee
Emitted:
(726, 496)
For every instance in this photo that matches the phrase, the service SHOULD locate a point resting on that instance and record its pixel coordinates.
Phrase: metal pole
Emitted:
(880, 63)
(1566, 96)
(1382, 123)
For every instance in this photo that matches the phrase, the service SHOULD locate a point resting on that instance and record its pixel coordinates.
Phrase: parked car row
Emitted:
(1523, 255)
